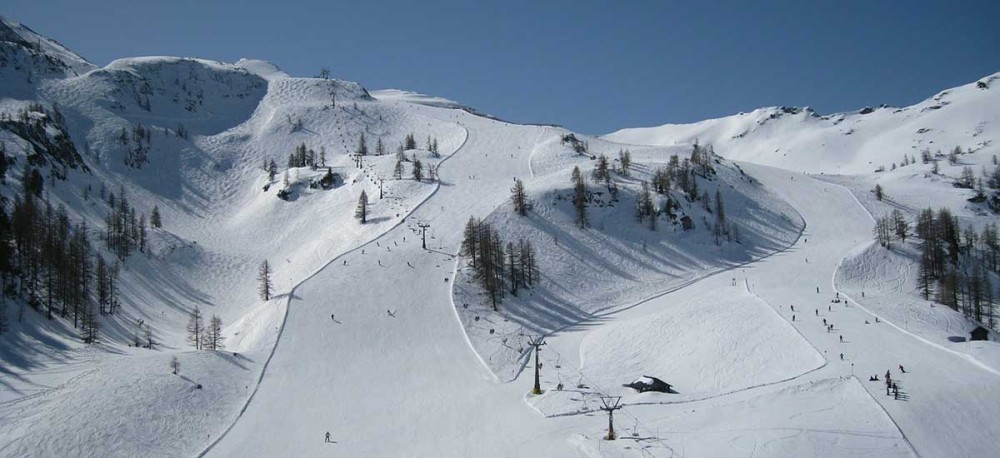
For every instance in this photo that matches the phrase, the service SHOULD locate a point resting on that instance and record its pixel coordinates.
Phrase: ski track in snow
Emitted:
(291, 295)
(419, 380)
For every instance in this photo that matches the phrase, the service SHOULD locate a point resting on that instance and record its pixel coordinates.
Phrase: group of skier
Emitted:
(891, 388)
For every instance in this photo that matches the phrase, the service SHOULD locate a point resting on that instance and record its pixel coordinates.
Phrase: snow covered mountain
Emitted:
(844, 143)
(26, 58)
(382, 337)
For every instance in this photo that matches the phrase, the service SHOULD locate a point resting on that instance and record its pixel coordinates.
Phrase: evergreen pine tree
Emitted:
(418, 170)
(362, 211)
(154, 217)
(397, 171)
(580, 198)
(272, 170)
(264, 280)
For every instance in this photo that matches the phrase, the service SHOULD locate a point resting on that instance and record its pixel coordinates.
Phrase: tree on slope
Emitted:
(397, 171)
(264, 280)
(644, 206)
(601, 170)
(519, 198)
(154, 217)
(418, 170)
(362, 146)
(625, 157)
(362, 212)
(580, 198)
(195, 328)
(213, 338)
(272, 170)
(90, 324)
(721, 225)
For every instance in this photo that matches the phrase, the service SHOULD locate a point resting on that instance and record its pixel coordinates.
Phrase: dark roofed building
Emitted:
(980, 333)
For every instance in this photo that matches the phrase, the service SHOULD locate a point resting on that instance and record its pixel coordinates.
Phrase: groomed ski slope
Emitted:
(368, 338)
(410, 385)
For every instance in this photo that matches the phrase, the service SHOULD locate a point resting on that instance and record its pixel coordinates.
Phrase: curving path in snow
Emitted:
(391, 372)
(949, 400)
(407, 384)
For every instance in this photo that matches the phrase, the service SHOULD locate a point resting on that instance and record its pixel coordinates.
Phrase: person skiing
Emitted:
(327, 436)
(824, 321)
(901, 369)
(888, 376)
(793, 307)
(841, 339)
(793, 317)
(841, 356)
(817, 312)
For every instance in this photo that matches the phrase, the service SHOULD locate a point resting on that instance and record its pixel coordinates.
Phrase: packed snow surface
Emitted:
(390, 347)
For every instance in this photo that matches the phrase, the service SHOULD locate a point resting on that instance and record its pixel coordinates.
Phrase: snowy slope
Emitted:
(28, 59)
(845, 143)
(219, 224)
(619, 261)
(390, 348)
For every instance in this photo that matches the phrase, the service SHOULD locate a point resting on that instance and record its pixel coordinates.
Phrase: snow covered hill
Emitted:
(844, 143)
(380, 339)
(27, 58)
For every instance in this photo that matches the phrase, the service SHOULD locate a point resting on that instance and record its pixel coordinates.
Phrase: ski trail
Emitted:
(965, 356)
(291, 295)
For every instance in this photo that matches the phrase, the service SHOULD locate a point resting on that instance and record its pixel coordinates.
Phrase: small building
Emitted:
(980, 333)
(687, 223)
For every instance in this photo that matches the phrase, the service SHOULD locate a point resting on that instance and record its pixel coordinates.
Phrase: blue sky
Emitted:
(592, 66)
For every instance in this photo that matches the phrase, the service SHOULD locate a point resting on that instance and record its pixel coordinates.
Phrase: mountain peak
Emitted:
(13, 33)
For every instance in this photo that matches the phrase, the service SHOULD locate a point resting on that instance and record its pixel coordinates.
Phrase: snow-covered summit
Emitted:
(854, 142)
(352, 302)
(13, 33)
(28, 59)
